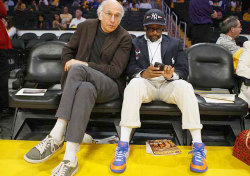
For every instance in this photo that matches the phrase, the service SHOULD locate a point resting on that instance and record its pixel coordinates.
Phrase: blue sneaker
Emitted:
(118, 164)
(198, 163)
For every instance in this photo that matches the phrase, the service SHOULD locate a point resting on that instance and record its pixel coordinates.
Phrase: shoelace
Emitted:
(44, 144)
(198, 154)
(61, 169)
(120, 154)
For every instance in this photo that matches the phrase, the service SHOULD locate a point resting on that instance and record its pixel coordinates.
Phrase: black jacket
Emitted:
(171, 52)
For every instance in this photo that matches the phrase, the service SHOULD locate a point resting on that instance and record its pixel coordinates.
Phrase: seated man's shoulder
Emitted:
(220, 40)
(138, 38)
(171, 39)
(123, 31)
(89, 21)
(86, 23)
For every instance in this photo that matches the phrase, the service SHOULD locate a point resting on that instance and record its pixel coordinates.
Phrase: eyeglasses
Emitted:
(110, 15)
(158, 30)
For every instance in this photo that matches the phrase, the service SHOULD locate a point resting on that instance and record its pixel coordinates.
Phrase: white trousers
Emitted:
(245, 93)
(178, 92)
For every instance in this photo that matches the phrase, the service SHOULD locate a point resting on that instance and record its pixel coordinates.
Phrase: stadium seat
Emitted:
(240, 40)
(48, 37)
(27, 37)
(18, 44)
(211, 66)
(133, 36)
(65, 37)
(44, 69)
(32, 43)
(16, 55)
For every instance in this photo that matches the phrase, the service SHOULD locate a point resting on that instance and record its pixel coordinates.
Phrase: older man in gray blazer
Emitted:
(93, 60)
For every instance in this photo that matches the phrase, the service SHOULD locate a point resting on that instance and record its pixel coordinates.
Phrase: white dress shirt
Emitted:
(74, 22)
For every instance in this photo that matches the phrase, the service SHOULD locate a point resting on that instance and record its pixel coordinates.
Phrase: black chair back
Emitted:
(44, 63)
(28, 36)
(32, 43)
(133, 36)
(210, 66)
(18, 44)
(65, 37)
(48, 37)
(240, 40)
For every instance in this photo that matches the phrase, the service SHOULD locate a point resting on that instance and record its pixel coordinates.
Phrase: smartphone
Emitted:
(160, 65)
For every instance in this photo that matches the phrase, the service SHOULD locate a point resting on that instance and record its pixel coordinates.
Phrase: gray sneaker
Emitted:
(42, 151)
(65, 168)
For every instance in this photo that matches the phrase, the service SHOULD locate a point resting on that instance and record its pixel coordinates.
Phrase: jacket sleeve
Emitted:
(70, 50)
(181, 62)
(119, 62)
(3, 11)
(133, 68)
(208, 7)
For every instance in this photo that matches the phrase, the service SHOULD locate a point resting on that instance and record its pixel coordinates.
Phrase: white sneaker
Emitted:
(65, 168)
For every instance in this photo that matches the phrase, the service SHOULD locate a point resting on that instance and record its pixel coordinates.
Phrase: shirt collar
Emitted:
(147, 39)
(227, 37)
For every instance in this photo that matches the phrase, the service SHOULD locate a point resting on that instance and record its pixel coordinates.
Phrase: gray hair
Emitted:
(99, 10)
(228, 23)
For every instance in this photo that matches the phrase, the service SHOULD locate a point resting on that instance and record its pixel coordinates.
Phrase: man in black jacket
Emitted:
(165, 82)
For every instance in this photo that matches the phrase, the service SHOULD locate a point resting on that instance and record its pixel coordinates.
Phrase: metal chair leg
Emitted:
(13, 124)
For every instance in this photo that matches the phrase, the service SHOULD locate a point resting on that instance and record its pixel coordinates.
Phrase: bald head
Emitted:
(110, 13)
(107, 4)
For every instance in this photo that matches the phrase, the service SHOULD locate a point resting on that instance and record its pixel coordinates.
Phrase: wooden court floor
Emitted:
(94, 160)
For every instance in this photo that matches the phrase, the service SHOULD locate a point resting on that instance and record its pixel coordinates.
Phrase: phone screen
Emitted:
(161, 66)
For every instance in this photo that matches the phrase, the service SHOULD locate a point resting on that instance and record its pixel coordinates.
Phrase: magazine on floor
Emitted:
(31, 92)
(162, 147)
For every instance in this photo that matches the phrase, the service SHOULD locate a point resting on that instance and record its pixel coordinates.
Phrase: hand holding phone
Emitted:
(160, 65)
(151, 72)
(168, 72)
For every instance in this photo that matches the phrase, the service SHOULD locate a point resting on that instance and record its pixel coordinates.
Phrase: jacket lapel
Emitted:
(107, 43)
(109, 40)
(164, 46)
(92, 28)
(142, 45)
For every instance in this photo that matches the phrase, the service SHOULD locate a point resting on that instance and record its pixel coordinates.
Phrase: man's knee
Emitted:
(135, 84)
(183, 86)
(87, 87)
(76, 68)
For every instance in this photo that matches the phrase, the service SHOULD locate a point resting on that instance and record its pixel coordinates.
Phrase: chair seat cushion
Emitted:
(239, 107)
(50, 100)
(113, 106)
(160, 108)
